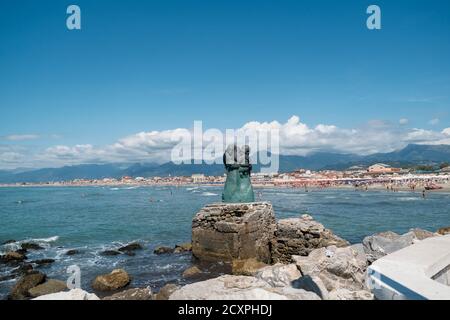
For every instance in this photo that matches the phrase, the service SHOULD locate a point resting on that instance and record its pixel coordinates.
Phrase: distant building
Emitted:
(198, 178)
(380, 168)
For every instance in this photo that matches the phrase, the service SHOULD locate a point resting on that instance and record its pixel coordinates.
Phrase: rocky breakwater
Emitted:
(299, 236)
(229, 231)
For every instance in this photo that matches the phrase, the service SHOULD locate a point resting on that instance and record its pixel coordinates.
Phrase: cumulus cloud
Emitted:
(296, 138)
(403, 121)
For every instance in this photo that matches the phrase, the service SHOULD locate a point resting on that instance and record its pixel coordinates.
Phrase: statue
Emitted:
(238, 187)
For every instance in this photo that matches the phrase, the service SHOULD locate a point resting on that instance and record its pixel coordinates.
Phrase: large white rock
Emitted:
(228, 287)
(74, 294)
(279, 275)
(345, 294)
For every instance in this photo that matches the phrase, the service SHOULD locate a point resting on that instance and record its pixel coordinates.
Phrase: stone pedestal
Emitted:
(234, 231)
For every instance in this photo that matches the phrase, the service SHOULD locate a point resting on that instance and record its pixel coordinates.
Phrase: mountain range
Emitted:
(411, 155)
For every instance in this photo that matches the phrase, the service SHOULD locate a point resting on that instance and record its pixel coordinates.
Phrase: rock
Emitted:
(165, 292)
(132, 294)
(247, 267)
(24, 269)
(421, 234)
(299, 236)
(7, 277)
(110, 253)
(31, 246)
(381, 244)
(233, 231)
(131, 247)
(74, 294)
(163, 250)
(312, 284)
(191, 272)
(12, 257)
(345, 294)
(336, 267)
(279, 275)
(228, 287)
(43, 261)
(117, 279)
(8, 242)
(444, 231)
(48, 287)
(72, 252)
(21, 251)
(20, 289)
(184, 247)
(130, 253)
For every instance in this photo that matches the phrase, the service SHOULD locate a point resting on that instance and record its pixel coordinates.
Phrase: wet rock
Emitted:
(165, 292)
(7, 277)
(24, 269)
(345, 294)
(43, 261)
(21, 251)
(130, 253)
(233, 231)
(72, 252)
(74, 294)
(191, 272)
(8, 242)
(20, 289)
(12, 257)
(31, 246)
(115, 280)
(336, 267)
(246, 267)
(110, 253)
(163, 250)
(444, 231)
(131, 247)
(230, 287)
(48, 287)
(279, 275)
(299, 236)
(184, 247)
(132, 294)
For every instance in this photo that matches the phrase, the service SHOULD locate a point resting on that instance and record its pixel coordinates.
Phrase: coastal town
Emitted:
(378, 175)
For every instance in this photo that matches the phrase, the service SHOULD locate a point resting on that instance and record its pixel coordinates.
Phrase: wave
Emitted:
(190, 189)
(209, 194)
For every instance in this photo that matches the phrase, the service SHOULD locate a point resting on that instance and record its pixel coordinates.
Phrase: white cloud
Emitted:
(296, 138)
(403, 121)
(21, 137)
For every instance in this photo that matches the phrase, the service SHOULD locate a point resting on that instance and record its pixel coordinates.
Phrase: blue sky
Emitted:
(138, 66)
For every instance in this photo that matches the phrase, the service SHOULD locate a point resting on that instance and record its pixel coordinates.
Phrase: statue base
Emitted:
(234, 231)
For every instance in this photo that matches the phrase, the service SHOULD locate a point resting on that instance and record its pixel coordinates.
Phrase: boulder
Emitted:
(115, 280)
(163, 250)
(31, 246)
(444, 231)
(336, 267)
(131, 247)
(229, 287)
(132, 294)
(191, 272)
(233, 231)
(21, 288)
(72, 252)
(110, 253)
(345, 294)
(184, 247)
(48, 287)
(74, 294)
(279, 275)
(12, 257)
(43, 261)
(299, 236)
(381, 244)
(165, 292)
(247, 267)
(24, 269)
(312, 284)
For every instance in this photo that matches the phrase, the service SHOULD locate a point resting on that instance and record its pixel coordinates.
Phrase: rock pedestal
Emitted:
(230, 231)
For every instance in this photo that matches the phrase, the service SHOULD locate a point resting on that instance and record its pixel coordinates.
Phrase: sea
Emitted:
(95, 219)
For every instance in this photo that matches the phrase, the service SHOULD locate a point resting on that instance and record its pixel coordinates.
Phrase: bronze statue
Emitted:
(238, 187)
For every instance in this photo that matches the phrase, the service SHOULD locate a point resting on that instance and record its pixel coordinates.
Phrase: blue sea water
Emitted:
(93, 219)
